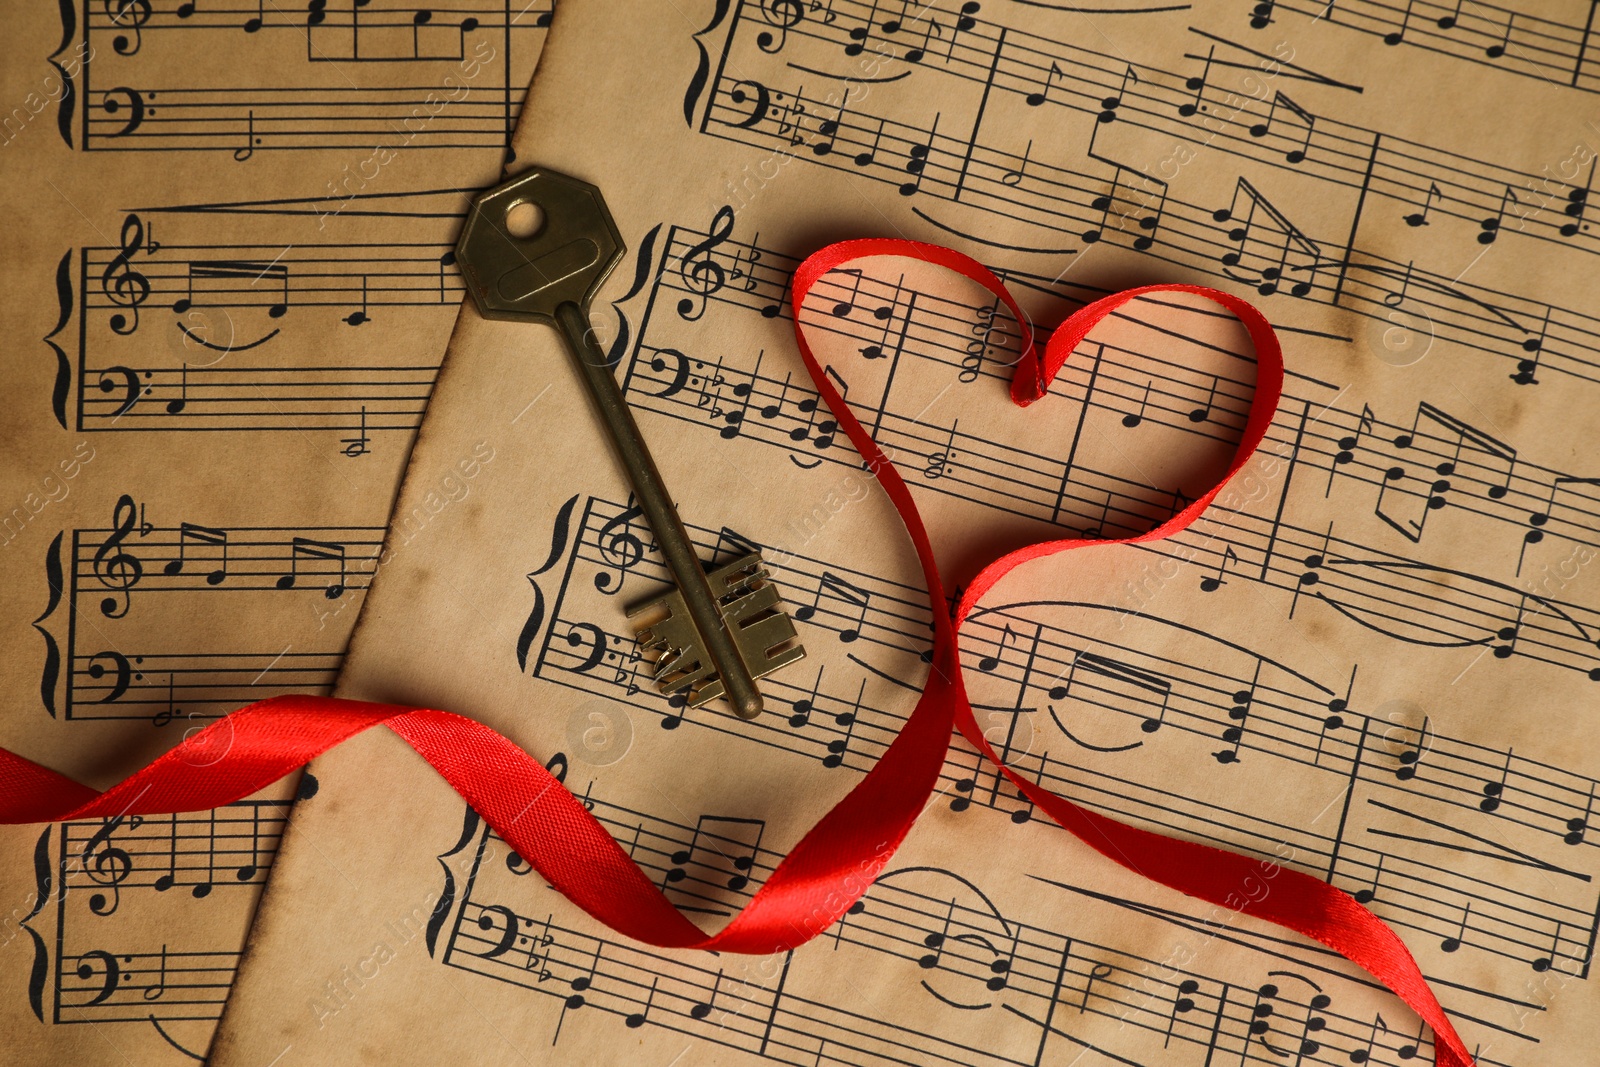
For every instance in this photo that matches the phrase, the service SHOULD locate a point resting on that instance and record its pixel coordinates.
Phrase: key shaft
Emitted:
(656, 504)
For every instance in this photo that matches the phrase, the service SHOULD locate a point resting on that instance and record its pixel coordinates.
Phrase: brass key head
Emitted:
(564, 261)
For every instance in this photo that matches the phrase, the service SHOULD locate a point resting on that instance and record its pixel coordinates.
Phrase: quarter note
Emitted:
(1453, 943)
(1396, 36)
(1201, 414)
(1198, 85)
(1577, 204)
(356, 318)
(703, 1008)
(1132, 420)
(839, 747)
(916, 163)
(1578, 827)
(1217, 581)
(1495, 51)
(637, 1019)
(1368, 895)
(1543, 963)
(1494, 792)
(1411, 759)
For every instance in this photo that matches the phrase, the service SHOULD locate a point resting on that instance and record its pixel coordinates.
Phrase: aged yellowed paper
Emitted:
(228, 288)
(1375, 659)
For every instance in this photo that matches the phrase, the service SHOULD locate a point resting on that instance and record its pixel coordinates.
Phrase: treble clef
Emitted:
(124, 286)
(132, 14)
(700, 272)
(620, 548)
(116, 568)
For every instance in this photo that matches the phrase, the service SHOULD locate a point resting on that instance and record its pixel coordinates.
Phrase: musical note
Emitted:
(1014, 177)
(1134, 419)
(1394, 37)
(582, 983)
(1495, 51)
(1459, 436)
(1494, 792)
(1369, 894)
(638, 1018)
(1534, 346)
(1198, 85)
(862, 33)
(1420, 218)
(937, 464)
(304, 548)
(840, 746)
(1578, 826)
(357, 445)
(853, 598)
(1288, 242)
(1491, 226)
(1578, 204)
(233, 270)
(1055, 72)
(1243, 701)
(1363, 1055)
(917, 161)
(726, 848)
(359, 317)
(703, 1008)
(828, 129)
(157, 987)
(1453, 943)
(205, 537)
(1410, 759)
(248, 149)
(935, 940)
(1202, 413)
(988, 663)
(804, 706)
(1109, 104)
(1217, 581)
(1149, 217)
(1300, 115)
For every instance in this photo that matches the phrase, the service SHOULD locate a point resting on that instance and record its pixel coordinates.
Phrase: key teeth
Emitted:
(752, 608)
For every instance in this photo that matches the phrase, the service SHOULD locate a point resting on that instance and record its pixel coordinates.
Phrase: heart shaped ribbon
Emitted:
(838, 859)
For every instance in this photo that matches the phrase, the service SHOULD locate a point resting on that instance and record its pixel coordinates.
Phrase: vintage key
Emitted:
(721, 633)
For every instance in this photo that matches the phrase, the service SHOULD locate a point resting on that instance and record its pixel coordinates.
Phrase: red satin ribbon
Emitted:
(837, 861)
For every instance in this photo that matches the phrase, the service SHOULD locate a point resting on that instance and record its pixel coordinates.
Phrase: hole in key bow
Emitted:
(524, 219)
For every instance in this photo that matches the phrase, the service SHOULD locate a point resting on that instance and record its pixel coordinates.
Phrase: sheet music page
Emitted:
(229, 285)
(1373, 660)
